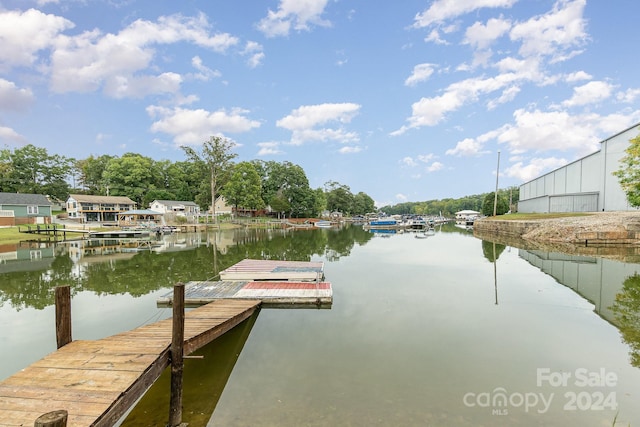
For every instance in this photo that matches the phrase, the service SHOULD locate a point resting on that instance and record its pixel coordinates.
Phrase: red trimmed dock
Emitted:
(96, 382)
(276, 283)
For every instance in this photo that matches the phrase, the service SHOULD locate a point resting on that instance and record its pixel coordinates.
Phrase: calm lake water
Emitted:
(447, 330)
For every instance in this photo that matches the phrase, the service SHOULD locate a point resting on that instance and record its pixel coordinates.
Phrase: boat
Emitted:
(379, 222)
(323, 224)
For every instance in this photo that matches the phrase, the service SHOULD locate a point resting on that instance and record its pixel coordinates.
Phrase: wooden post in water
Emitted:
(63, 315)
(177, 361)
(52, 419)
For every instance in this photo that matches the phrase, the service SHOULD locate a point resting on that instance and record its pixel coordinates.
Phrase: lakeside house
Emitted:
(222, 207)
(18, 208)
(171, 209)
(585, 185)
(86, 208)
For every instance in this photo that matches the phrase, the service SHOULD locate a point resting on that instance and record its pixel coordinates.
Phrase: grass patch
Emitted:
(9, 235)
(534, 216)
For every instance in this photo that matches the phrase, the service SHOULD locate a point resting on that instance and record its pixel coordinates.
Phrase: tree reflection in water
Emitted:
(626, 309)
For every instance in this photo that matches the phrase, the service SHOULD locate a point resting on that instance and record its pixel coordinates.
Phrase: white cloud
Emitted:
(628, 96)
(466, 148)
(553, 34)
(350, 149)
(205, 73)
(91, 60)
(421, 72)
(435, 166)
(508, 95)
(138, 87)
(298, 15)
(548, 131)
(409, 161)
(481, 36)
(535, 168)
(589, 93)
(401, 197)
(255, 54)
(24, 34)
(431, 111)
(303, 123)
(192, 127)
(13, 98)
(441, 10)
(269, 148)
(434, 37)
(9, 135)
(577, 76)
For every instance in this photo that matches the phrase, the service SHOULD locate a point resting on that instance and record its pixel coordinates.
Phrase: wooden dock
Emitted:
(276, 283)
(271, 293)
(120, 234)
(257, 269)
(96, 382)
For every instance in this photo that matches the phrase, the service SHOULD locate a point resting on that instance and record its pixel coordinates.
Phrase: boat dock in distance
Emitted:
(275, 283)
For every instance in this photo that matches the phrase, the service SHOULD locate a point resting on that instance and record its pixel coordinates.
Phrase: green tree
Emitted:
(91, 171)
(215, 157)
(362, 204)
(629, 172)
(339, 197)
(285, 188)
(31, 169)
(487, 204)
(244, 187)
(130, 175)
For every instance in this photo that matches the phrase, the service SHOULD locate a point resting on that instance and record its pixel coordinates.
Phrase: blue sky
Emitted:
(406, 101)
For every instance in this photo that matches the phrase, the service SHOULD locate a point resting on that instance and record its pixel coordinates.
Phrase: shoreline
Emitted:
(606, 234)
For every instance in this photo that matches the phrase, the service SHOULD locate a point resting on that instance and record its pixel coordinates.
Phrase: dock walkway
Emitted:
(98, 381)
(276, 283)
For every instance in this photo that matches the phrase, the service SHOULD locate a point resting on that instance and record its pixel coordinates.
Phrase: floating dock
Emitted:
(256, 269)
(271, 293)
(275, 283)
(96, 382)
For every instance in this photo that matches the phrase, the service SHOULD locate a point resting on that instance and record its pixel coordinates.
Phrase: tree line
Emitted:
(206, 174)
(506, 201)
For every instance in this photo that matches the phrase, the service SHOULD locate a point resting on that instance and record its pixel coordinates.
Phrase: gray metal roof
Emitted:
(175, 202)
(24, 199)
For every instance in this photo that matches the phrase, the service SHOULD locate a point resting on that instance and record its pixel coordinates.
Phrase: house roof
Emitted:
(101, 199)
(175, 202)
(141, 212)
(24, 199)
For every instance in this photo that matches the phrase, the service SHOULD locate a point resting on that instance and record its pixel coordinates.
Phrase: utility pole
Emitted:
(495, 196)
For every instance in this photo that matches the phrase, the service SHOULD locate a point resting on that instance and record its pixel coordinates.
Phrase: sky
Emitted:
(406, 101)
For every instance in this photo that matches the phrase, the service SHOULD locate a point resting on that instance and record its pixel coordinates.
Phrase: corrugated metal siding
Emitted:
(574, 203)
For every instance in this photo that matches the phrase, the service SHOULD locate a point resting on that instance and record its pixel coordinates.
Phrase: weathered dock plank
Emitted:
(98, 381)
(257, 269)
(271, 293)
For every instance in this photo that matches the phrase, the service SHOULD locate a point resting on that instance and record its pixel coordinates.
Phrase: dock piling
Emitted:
(177, 361)
(52, 419)
(63, 315)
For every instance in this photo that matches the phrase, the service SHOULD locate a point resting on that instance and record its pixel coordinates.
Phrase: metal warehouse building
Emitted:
(586, 185)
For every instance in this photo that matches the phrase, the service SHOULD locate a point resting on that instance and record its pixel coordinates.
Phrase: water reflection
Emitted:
(204, 380)
(414, 327)
(30, 272)
(613, 287)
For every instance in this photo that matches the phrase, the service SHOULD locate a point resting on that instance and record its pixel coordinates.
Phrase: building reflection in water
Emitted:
(613, 287)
